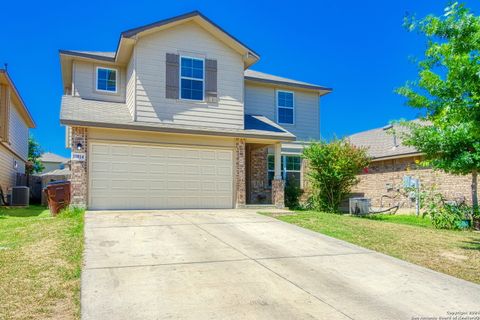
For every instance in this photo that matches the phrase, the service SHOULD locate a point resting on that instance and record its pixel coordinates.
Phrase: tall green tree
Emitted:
(332, 171)
(448, 90)
(34, 154)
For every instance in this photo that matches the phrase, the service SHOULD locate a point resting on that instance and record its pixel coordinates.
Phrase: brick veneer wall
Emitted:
(240, 173)
(79, 178)
(278, 193)
(389, 173)
(260, 192)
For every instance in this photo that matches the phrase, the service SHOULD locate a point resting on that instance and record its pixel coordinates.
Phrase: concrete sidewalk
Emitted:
(236, 264)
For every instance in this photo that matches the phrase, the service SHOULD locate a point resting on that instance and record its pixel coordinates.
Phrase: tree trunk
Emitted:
(474, 192)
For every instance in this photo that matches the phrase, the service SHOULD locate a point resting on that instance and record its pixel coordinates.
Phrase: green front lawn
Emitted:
(40, 263)
(409, 238)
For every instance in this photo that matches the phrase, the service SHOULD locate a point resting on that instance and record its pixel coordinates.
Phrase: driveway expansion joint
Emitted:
(276, 273)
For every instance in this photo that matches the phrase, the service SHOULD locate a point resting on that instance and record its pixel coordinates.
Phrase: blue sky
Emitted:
(359, 48)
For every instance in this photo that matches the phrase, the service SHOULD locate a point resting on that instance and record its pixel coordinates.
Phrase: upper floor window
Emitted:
(106, 79)
(285, 107)
(191, 78)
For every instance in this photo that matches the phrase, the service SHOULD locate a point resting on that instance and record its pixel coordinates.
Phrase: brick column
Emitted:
(278, 191)
(240, 173)
(79, 180)
(278, 185)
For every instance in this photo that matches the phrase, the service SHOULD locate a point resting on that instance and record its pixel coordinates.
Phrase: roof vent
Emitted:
(387, 127)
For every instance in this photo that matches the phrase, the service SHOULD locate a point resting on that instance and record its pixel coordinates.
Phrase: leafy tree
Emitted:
(332, 171)
(448, 91)
(34, 154)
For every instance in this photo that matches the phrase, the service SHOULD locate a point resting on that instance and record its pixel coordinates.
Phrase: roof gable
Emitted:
(199, 18)
(128, 37)
(16, 98)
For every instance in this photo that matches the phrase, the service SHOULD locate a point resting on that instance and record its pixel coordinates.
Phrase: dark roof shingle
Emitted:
(381, 143)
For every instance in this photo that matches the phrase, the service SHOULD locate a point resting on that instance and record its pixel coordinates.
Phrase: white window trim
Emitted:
(189, 78)
(278, 107)
(116, 79)
(284, 167)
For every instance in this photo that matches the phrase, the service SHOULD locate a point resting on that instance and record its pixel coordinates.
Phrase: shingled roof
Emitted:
(93, 113)
(270, 78)
(52, 157)
(382, 143)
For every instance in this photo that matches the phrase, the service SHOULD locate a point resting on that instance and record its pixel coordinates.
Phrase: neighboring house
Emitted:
(15, 121)
(174, 118)
(52, 161)
(383, 180)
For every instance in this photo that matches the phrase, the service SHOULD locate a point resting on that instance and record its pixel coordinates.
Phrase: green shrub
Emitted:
(292, 194)
(332, 171)
(448, 216)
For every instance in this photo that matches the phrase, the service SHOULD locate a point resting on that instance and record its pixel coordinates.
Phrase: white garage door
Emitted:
(150, 177)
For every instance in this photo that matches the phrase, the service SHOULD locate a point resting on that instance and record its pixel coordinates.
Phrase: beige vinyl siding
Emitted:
(261, 99)
(18, 133)
(50, 166)
(188, 39)
(135, 136)
(84, 82)
(7, 170)
(130, 92)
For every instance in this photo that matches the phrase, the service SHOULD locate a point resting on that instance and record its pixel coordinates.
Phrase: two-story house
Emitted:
(15, 121)
(174, 118)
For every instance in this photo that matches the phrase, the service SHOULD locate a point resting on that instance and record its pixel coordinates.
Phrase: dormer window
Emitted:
(191, 78)
(106, 79)
(285, 107)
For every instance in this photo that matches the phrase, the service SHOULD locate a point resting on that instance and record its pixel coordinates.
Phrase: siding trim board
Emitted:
(75, 123)
(16, 98)
(323, 90)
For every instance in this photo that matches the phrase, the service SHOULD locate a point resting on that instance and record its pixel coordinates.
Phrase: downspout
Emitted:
(135, 79)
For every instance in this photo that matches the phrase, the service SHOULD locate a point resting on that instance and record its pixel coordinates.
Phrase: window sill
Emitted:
(108, 93)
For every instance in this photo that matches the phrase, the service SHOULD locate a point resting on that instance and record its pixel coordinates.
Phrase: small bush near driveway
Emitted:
(332, 172)
(40, 263)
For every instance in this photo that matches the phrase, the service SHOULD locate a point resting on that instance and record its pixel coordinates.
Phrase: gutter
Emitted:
(399, 156)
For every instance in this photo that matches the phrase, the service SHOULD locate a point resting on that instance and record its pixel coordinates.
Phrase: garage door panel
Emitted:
(175, 168)
(207, 155)
(207, 170)
(225, 186)
(151, 177)
(100, 149)
(137, 167)
(157, 168)
(119, 150)
(158, 185)
(100, 166)
(223, 155)
(224, 171)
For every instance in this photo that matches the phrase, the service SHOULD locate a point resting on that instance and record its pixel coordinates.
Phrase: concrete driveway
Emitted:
(236, 264)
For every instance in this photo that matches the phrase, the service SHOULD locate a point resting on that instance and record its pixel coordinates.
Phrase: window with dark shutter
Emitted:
(171, 76)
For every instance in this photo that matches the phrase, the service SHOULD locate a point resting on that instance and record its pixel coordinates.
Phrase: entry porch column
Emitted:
(278, 184)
